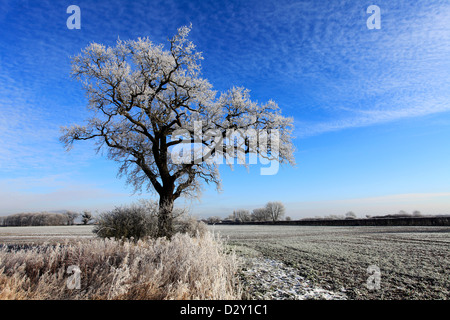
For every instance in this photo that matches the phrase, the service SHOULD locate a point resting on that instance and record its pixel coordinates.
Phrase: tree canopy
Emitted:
(150, 105)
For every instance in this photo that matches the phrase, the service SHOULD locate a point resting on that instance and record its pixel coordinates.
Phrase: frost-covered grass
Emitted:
(414, 262)
(183, 268)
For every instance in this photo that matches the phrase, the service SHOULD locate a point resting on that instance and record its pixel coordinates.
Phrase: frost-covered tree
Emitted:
(86, 216)
(275, 210)
(416, 213)
(213, 219)
(242, 215)
(147, 101)
(71, 216)
(350, 215)
(261, 214)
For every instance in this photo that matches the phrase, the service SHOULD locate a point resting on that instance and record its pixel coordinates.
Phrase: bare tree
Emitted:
(86, 217)
(260, 214)
(242, 215)
(350, 215)
(275, 210)
(213, 219)
(71, 216)
(402, 213)
(416, 213)
(148, 101)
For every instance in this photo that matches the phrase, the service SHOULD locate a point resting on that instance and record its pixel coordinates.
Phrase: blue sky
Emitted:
(371, 107)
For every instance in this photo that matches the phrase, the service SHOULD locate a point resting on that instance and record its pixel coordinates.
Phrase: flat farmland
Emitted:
(45, 234)
(413, 262)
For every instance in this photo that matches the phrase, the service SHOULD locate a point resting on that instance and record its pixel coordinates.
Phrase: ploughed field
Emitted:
(44, 234)
(414, 262)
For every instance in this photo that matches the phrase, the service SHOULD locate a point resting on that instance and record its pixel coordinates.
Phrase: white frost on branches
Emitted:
(146, 100)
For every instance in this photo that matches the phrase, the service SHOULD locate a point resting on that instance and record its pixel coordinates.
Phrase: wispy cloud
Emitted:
(363, 118)
(372, 77)
(317, 59)
(322, 52)
(37, 95)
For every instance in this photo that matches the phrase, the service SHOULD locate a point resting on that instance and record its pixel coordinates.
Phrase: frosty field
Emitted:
(50, 234)
(414, 262)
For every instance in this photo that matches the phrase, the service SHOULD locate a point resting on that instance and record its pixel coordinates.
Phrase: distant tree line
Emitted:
(351, 215)
(375, 221)
(274, 214)
(44, 219)
(272, 211)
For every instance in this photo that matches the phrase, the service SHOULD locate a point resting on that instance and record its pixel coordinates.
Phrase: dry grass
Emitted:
(182, 268)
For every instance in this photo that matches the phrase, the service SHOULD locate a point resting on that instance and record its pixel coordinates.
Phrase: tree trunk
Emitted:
(165, 217)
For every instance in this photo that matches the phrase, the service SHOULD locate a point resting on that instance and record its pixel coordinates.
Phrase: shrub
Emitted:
(134, 221)
(190, 226)
(140, 220)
